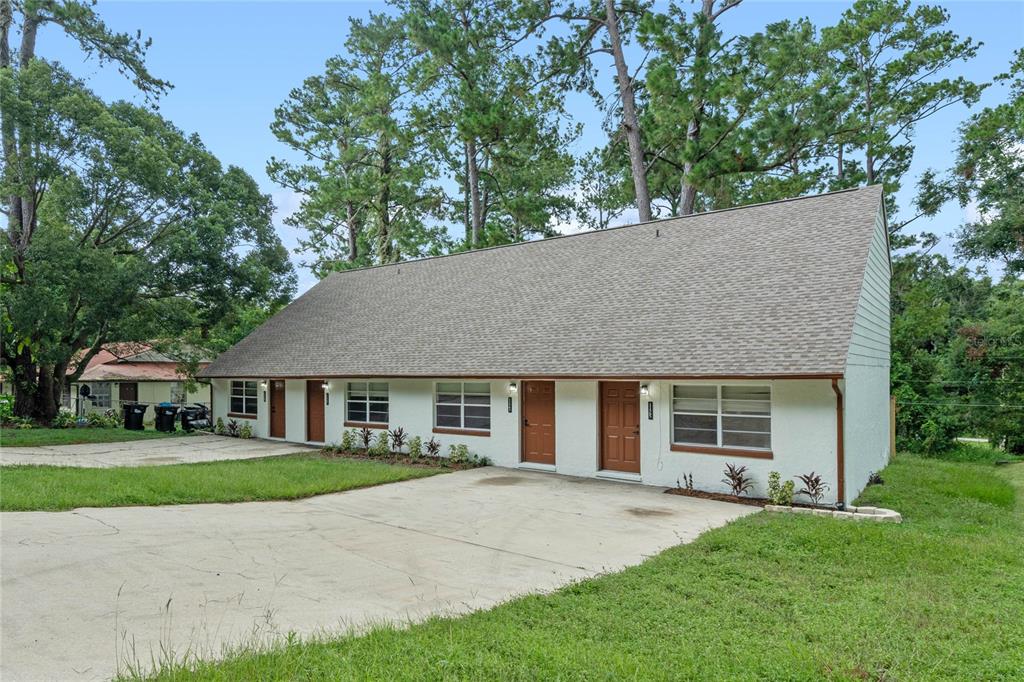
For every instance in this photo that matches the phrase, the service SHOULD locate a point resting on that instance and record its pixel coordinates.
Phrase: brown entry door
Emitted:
(277, 409)
(620, 426)
(128, 393)
(315, 411)
(539, 422)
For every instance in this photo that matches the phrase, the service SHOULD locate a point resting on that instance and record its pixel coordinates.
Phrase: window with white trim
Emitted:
(100, 394)
(367, 402)
(722, 416)
(463, 405)
(243, 397)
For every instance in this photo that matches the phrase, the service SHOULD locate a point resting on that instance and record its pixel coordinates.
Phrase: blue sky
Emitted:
(231, 63)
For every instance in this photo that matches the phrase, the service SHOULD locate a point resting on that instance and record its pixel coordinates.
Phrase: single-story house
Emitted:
(755, 335)
(131, 372)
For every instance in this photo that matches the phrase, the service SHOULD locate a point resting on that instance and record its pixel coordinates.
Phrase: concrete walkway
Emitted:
(155, 451)
(84, 590)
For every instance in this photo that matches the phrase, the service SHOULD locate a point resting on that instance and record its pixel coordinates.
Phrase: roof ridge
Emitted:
(597, 232)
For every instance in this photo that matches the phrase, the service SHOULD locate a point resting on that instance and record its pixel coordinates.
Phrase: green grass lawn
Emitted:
(33, 437)
(48, 488)
(768, 597)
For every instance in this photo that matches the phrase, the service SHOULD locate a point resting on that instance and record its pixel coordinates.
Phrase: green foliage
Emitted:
(233, 428)
(458, 453)
(778, 492)
(397, 437)
(737, 479)
(245, 431)
(65, 419)
(814, 486)
(41, 436)
(416, 447)
(218, 426)
(348, 440)
(380, 445)
(6, 408)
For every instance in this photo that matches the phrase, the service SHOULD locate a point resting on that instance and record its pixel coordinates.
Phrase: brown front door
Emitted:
(128, 393)
(620, 426)
(315, 411)
(539, 422)
(277, 409)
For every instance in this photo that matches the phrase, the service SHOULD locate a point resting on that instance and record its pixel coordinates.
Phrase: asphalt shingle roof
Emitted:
(763, 290)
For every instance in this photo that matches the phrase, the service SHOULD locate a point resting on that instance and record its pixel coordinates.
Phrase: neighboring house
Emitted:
(131, 372)
(755, 335)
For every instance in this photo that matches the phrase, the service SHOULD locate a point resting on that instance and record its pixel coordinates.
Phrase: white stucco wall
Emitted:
(803, 429)
(866, 384)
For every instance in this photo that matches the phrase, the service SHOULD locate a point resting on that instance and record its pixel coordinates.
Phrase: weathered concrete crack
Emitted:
(117, 531)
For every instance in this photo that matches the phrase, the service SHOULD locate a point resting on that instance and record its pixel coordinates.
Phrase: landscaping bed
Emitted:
(726, 497)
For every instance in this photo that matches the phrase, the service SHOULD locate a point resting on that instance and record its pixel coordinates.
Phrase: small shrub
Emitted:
(233, 430)
(814, 487)
(348, 441)
(459, 454)
(737, 479)
(398, 437)
(19, 422)
(65, 419)
(365, 437)
(687, 481)
(416, 447)
(433, 447)
(96, 419)
(245, 431)
(380, 445)
(875, 478)
(778, 492)
(218, 428)
(113, 418)
(6, 408)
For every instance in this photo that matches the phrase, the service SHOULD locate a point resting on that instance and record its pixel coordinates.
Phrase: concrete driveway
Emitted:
(82, 591)
(156, 451)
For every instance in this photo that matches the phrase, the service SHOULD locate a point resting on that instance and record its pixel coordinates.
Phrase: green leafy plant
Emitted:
(218, 428)
(737, 479)
(96, 419)
(875, 478)
(65, 419)
(365, 437)
(415, 447)
(814, 487)
(433, 447)
(380, 445)
(778, 492)
(459, 454)
(233, 429)
(6, 408)
(113, 418)
(398, 437)
(347, 441)
(19, 422)
(245, 431)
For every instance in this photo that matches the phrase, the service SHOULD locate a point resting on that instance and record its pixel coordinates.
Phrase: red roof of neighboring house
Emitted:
(116, 362)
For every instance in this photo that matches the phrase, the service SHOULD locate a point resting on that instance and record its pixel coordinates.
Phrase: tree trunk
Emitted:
(473, 177)
(630, 122)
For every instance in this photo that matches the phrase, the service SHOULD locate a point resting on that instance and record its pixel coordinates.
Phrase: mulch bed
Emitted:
(726, 497)
(424, 462)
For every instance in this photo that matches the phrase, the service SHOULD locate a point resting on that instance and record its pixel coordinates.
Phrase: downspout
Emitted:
(840, 449)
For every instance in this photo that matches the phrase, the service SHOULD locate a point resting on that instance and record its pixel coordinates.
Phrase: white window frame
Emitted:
(719, 414)
(462, 407)
(366, 401)
(244, 395)
(99, 398)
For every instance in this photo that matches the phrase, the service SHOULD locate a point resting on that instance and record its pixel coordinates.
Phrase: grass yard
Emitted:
(12, 438)
(768, 597)
(48, 488)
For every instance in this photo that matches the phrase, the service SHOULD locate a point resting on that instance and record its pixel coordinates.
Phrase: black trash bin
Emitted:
(165, 415)
(195, 417)
(133, 414)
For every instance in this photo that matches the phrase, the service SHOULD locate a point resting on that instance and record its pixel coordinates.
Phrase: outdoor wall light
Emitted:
(645, 390)
(263, 385)
(327, 392)
(513, 387)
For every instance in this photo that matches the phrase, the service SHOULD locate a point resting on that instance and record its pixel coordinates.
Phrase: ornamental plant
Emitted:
(347, 441)
(365, 437)
(416, 447)
(398, 437)
(433, 447)
(737, 479)
(814, 487)
(380, 445)
(245, 431)
(780, 493)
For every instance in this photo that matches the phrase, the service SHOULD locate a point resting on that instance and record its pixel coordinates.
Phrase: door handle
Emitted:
(526, 422)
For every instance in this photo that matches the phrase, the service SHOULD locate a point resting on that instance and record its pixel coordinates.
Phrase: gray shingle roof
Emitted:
(764, 290)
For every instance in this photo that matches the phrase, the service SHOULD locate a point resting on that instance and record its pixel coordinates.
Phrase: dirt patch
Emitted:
(726, 497)
(404, 460)
(501, 480)
(645, 512)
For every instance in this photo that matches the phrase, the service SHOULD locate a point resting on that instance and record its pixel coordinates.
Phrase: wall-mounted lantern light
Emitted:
(513, 387)
(327, 392)
(263, 385)
(645, 390)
